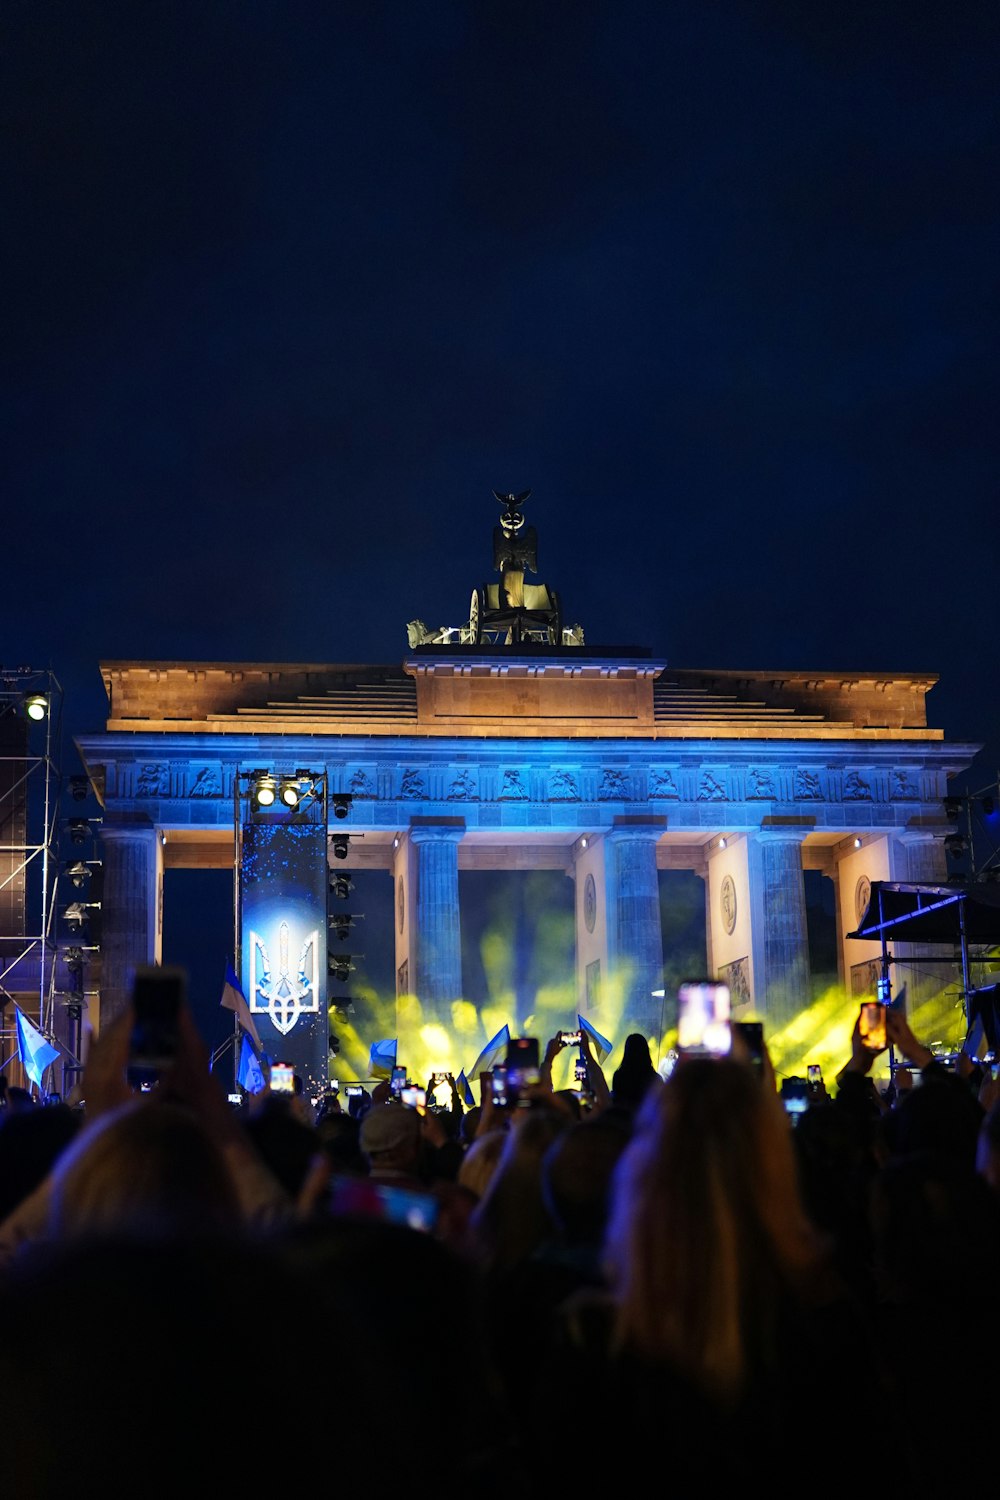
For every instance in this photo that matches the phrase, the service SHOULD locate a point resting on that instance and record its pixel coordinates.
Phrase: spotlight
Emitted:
(857, 843)
(395, 842)
(76, 915)
(340, 965)
(341, 886)
(341, 926)
(341, 843)
(264, 790)
(79, 873)
(341, 804)
(952, 806)
(583, 842)
(343, 1009)
(722, 841)
(74, 960)
(79, 786)
(290, 793)
(955, 845)
(334, 1042)
(79, 828)
(36, 706)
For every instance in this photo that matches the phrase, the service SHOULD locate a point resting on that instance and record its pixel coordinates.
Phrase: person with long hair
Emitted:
(724, 1314)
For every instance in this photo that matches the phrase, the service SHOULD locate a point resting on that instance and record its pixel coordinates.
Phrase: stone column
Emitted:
(780, 945)
(635, 938)
(437, 942)
(131, 909)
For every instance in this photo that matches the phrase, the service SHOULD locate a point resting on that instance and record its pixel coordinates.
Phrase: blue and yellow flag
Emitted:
(599, 1045)
(35, 1052)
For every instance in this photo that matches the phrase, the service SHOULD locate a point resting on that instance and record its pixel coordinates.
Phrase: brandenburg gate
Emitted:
(508, 744)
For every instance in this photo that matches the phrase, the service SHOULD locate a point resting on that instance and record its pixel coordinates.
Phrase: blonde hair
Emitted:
(707, 1231)
(145, 1168)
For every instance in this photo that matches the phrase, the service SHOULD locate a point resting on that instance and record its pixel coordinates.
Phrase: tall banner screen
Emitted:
(283, 880)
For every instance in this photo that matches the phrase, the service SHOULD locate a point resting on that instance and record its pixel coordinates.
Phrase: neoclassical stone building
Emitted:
(607, 765)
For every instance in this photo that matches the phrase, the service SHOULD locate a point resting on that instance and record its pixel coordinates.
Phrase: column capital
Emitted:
(133, 826)
(782, 833)
(646, 830)
(445, 831)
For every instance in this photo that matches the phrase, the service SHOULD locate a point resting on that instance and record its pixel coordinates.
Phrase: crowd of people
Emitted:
(677, 1269)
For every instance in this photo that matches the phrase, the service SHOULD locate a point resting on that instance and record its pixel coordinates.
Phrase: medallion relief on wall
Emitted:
(727, 904)
(589, 903)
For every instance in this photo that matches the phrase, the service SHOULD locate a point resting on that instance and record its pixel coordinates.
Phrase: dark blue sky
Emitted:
(289, 289)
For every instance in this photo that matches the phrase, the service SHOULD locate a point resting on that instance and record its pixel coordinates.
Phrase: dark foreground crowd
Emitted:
(670, 1287)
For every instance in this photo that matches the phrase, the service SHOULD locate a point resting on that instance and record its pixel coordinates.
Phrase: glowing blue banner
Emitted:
(283, 880)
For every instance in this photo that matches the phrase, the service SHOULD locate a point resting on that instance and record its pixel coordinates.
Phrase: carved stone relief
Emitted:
(662, 784)
(463, 788)
(512, 788)
(361, 785)
(808, 786)
(563, 787)
(856, 788)
(412, 786)
(152, 781)
(710, 788)
(206, 784)
(760, 785)
(737, 976)
(614, 786)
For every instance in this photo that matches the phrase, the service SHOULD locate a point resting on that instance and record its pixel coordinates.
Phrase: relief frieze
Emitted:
(464, 787)
(207, 783)
(760, 785)
(808, 786)
(563, 787)
(614, 786)
(361, 785)
(152, 781)
(412, 786)
(512, 788)
(710, 788)
(662, 784)
(856, 788)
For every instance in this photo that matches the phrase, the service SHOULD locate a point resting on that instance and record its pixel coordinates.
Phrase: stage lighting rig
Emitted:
(340, 965)
(80, 871)
(36, 706)
(80, 829)
(341, 886)
(79, 788)
(342, 1008)
(341, 802)
(340, 843)
(342, 922)
(77, 914)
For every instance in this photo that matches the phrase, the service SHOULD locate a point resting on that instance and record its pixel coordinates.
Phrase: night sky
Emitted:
(291, 288)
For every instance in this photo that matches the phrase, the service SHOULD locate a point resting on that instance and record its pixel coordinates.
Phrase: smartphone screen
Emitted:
(498, 1084)
(752, 1033)
(871, 1027)
(522, 1063)
(282, 1078)
(571, 1038)
(814, 1073)
(398, 1081)
(157, 996)
(703, 1018)
(413, 1098)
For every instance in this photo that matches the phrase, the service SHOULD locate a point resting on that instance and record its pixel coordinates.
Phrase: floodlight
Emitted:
(341, 886)
(290, 792)
(341, 844)
(79, 786)
(36, 706)
(264, 789)
(341, 804)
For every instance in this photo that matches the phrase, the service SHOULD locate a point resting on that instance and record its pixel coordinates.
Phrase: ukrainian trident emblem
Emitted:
(284, 998)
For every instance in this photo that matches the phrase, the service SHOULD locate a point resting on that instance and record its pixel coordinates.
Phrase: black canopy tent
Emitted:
(953, 915)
